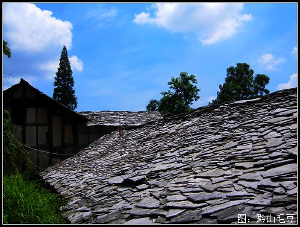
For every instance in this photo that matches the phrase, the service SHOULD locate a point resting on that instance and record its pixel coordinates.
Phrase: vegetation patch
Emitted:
(28, 201)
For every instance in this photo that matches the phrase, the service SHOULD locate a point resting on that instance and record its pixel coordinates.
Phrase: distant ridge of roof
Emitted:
(120, 118)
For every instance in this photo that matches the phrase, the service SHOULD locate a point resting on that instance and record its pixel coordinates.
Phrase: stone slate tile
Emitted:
(201, 197)
(143, 212)
(171, 198)
(281, 170)
(213, 209)
(183, 205)
(173, 213)
(139, 221)
(148, 203)
(117, 214)
(187, 217)
(230, 214)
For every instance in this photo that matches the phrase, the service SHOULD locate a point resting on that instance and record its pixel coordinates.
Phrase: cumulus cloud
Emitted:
(29, 28)
(290, 84)
(36, 39)
(211, 22)
(76, 63)
(270, 62)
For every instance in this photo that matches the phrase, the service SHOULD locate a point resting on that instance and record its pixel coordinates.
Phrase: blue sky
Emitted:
(124, 54)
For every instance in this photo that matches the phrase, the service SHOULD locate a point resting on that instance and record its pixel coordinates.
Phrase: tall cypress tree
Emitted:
(64, 82)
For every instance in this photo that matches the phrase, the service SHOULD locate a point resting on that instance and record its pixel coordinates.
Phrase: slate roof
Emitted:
(120, 118)
(205, 167)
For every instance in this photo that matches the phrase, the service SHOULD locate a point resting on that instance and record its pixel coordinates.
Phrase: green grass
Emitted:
(28, 201)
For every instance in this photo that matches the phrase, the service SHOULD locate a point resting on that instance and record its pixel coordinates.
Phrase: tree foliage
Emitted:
(153, 105)
(241, 84)
(6, 49)
(15, 157)
(64, 82)
(178, 100)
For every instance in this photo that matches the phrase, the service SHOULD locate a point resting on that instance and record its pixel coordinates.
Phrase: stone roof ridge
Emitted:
(205, 168)
(281, 93)
(121, 118)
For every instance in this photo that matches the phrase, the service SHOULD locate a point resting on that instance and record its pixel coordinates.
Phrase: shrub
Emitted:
(15, 157)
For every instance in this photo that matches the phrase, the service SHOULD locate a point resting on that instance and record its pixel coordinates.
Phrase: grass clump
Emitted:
(27, 201)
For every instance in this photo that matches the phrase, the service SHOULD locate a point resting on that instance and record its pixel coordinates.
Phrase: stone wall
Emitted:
(231, 163)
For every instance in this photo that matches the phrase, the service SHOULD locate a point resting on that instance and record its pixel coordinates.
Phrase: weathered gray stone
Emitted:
(274, 142)
(139, 221)
(116, 180)
(110, 217)
(173, 213)
(230, 214)
(212, 187)
(200, 197)
(272, 134)
(184, 205)
(142, 187)
(244, 165)
(288, 185)
(279, 190)
(230, 145)
(213, 209)
(277, 120)
(143, 212)
(279, 200)
(282, 170)
(259, 202)
(171, 198)
(239, 195)
(292, 191)
(148, 203)
(254, 176)
(211, 173)
(187, 217)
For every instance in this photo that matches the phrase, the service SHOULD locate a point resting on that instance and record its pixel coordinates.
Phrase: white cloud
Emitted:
(295, 51)
(211, 22)
(36, 39)
(100, 13)
(270, 62)
(100, 17)
(52, 66)
(290, 84)
(76, 63)
(29, 28)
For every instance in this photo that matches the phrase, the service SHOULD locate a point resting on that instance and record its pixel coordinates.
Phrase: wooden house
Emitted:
(54, 132)
(42, 123)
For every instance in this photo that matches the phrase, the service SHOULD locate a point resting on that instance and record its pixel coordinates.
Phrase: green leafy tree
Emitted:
(259, 84)
(241, 84)
(153, 105)
(64, 82)
(178, 100)
(6, 49)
